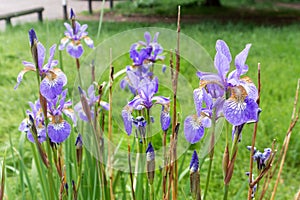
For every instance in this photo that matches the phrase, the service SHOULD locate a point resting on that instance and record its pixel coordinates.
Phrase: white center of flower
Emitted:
(58, 126)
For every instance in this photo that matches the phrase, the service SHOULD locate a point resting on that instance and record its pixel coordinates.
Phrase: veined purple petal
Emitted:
(155, 37)
(193, 129)
(51, 88)
(41, 55)
(83, 28)
(69, 28)
(239, 109)
(222, 47)
(240, 60)
(41, 135)
(222, 65)
(133, 79)
(161, 100)
(127, 120)
(147, 37)
(198, 99)
(74, 50)
(59, 132)
(136, 102)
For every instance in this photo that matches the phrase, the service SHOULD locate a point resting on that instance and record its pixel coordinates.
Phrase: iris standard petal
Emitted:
(240, 60)
(193, 129)
(222, 47)
(198, 99)
(222, 65)
(59, 132)
(41, 55)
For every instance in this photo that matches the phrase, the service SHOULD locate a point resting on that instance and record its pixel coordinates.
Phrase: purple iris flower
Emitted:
(59, 129)
(38, 118)
(194, 125)
(73, 36)
(53, 79)
(91, 99)
(146, 90)
(261, 158)
(145, 52)
(240, 106)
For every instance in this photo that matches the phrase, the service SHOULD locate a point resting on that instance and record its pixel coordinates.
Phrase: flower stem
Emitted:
(152, 191)
(148, 135)
(226, 188)
(78, 71)
(211, 154)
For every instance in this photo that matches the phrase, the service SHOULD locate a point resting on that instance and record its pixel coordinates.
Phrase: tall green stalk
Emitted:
(211, 154)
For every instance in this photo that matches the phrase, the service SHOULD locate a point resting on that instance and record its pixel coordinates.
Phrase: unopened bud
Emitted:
(150, 163)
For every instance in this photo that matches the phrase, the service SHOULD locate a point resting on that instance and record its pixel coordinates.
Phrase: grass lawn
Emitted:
(277, 48)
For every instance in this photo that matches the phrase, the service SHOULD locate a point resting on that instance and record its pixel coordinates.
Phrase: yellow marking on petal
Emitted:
(51, 76)
(238, 93)
(57, 119)
(247, 79)
(203, 83)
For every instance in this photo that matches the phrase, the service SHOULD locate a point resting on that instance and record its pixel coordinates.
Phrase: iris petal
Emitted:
(75, 50)
(127, 119)
(193, 129)
(239, 112)
(59, 132)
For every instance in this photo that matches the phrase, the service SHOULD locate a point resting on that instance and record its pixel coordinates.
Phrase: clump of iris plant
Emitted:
(74, 34)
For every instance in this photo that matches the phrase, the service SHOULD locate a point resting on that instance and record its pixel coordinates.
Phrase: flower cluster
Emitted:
(228, 95)
(143, 84)
(52, 102)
